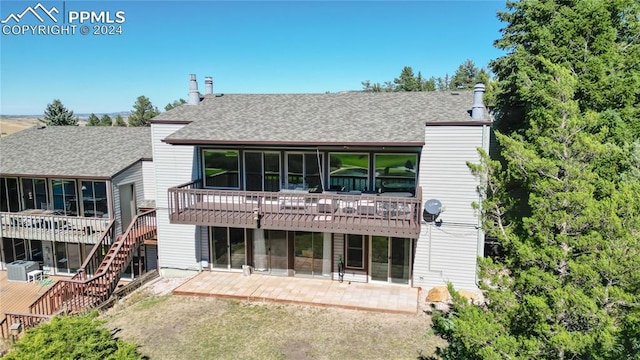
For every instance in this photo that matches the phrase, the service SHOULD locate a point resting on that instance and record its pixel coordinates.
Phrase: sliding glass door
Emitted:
(390, 259)
(227, 248)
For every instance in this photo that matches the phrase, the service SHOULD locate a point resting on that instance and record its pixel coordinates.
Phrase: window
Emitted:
(221, 168)
(262, 171)
(34, 194)
(303, 170)
(9, 197)
(355, 251)
(65, 198)
(349, 171)
(396, 172)
(94, 199)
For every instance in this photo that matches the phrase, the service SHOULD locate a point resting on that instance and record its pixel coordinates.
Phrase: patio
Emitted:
(307, 291)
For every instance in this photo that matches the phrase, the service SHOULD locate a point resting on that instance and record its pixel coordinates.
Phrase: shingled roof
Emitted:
(73, 151)
(349, 118)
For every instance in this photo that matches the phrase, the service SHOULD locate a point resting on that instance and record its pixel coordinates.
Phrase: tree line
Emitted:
(56, 114)
(464, 78)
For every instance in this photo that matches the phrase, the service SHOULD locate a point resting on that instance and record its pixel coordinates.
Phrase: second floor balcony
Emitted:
(391, 213)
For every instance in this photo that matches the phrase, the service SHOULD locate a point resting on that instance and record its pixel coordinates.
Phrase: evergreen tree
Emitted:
(56, 114)
(105, 120)
(143, 111)
(120, 121)
(174, 104)
(561, 201)
(466, 76)
(93, 120)
(407, 81)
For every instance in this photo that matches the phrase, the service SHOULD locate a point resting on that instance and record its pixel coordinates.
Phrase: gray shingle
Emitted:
(91, 151)
(343, 118)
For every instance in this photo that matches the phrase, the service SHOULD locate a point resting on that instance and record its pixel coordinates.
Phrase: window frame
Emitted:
(363, 248)
(238, 168)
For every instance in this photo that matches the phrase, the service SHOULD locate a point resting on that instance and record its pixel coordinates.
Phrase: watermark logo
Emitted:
(33, 11)
(41, 20)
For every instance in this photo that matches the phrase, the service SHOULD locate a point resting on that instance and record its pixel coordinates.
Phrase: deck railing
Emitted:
(60, 228)
(88, 290)
(97, 253)
(396, 214)
(25, 320)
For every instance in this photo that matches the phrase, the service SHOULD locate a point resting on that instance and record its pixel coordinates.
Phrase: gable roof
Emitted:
(74, 151)
(350, 118)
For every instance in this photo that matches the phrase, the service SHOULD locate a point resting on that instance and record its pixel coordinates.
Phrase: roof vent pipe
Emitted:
(194, 95)
(208, 85)
(477, 109)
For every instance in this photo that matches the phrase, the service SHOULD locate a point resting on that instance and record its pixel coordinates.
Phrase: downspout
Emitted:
(480, 249)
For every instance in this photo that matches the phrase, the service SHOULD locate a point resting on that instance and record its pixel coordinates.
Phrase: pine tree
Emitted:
(562, 200)
(174, 104)
(466, 76)
(105, 120)
(93, 120)
(120, 121)
(56, 114)
(143, 111)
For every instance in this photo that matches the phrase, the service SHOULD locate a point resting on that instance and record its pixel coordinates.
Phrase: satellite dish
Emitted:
(432, 209)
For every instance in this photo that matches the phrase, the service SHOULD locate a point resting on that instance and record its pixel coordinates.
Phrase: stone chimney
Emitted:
(194, 94)
(477, 109)
(208, 85)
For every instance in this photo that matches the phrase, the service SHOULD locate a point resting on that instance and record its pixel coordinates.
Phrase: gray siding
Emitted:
(133, 175)
(448, 253)
(174, 165)
(149, 180)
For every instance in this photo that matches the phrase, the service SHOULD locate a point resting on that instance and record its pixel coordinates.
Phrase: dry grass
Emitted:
(10, 125)
(184, 327)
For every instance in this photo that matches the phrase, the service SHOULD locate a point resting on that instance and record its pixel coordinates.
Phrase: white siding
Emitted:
(174, 165)
(149, 180)
(132, 175)
(448, 253)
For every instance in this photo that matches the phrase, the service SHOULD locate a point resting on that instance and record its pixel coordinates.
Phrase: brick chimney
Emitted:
(477, 109)
(194, 94)
(208, 85)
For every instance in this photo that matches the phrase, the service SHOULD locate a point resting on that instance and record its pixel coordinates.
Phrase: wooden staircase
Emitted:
(99, 274)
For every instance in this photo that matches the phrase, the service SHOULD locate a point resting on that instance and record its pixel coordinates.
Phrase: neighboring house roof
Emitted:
(362, 118)
(74, 151)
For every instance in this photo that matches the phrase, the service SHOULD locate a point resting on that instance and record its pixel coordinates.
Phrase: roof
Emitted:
(78, 151)
(349, 118)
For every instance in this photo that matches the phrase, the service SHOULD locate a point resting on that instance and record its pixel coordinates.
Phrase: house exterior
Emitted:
(63, 187)
(331, 186)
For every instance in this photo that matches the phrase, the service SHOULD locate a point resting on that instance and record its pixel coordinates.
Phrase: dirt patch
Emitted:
(185, 327)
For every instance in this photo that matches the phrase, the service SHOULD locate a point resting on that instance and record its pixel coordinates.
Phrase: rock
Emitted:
(438, 294)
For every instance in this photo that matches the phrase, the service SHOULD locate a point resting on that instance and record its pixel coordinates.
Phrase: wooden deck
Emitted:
(327, 212)
(16, 296)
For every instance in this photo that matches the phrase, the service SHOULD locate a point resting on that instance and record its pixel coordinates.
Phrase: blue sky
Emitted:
(247, 47)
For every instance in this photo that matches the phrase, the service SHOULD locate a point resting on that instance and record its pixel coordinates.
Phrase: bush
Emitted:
(71, 337)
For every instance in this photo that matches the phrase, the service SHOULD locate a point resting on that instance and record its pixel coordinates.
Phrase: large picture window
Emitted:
(303, 170)
(65, 198)
(396, 172)
(349, 171)
(355, 251)
(34, 193)
(9, 196)
(262, 171)
(221, 168)
(94, 199)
